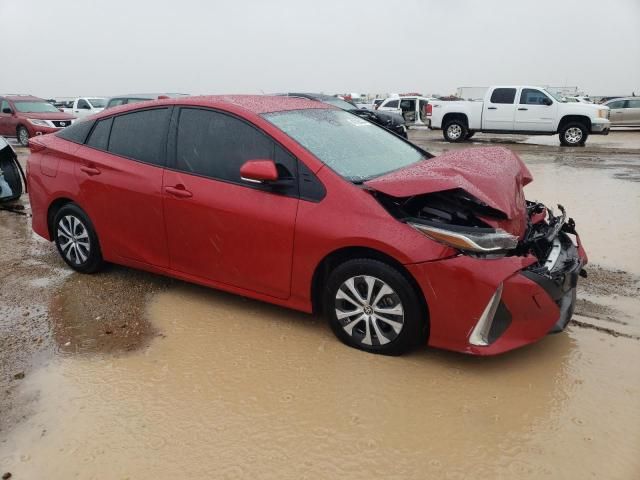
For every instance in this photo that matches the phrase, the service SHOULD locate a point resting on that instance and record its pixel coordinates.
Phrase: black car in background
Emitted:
(391, 121)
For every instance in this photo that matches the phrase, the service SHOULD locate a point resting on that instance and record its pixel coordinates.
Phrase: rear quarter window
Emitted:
(77, 132)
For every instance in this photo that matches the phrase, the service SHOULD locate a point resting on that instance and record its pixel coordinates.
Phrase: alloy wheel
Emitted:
(23, 136)
(73, 239)
(573, 135)
(454, 131)
(369, 310)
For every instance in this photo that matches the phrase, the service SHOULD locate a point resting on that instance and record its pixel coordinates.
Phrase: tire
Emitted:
(76, 239)
(455, 131)
(367, 327)
(573, 134)
(469, 135)
(23, 136)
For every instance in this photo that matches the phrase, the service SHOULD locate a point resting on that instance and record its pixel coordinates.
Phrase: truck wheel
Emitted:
(573, 134)
(469, 135)
(23, 136)
(455, 131)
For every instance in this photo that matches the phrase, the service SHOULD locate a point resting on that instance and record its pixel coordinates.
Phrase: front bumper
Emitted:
(490, 306)
(600, 127)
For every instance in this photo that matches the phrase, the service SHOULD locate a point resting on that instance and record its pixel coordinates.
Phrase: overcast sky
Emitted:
(107, 47)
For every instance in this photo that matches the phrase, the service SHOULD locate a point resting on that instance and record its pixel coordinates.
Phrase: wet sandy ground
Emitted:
(130, 375)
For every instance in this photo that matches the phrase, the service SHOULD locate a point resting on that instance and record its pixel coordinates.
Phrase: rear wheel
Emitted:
(76, 239)
(573, 134)
(373, 307)
(23, 136)
(455, 131)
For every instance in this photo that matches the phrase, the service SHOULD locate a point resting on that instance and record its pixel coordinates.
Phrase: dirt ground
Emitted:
(125, 374)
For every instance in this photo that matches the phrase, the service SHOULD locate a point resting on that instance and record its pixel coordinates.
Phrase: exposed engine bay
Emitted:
(458, 211)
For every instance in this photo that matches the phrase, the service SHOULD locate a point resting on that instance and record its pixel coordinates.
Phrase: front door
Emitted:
(220, 227)
(616, 112)
(631, 115)
(120, 180)
(499, 112)
(536, 112)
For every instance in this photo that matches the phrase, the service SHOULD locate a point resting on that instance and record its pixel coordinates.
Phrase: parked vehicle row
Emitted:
(301, 204)
(519, 109)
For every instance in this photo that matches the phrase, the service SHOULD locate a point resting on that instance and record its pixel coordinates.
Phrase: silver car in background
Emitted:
(625, 112)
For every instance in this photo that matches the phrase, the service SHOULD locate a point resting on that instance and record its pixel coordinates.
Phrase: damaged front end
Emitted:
(548, 244)
(554, 242)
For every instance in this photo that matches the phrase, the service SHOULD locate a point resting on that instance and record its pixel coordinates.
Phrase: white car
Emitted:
(412, 107)
(519, 109)
(85, 106)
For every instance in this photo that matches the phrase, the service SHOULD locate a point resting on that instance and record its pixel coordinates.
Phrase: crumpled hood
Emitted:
(493, 175)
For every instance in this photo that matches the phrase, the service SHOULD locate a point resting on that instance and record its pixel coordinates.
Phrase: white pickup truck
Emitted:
(521, 109)
(84, 106)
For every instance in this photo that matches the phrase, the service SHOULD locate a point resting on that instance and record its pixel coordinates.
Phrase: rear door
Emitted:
(220, 227)
(120, 184)
(631, 113)
(499, 111)
(534, 112)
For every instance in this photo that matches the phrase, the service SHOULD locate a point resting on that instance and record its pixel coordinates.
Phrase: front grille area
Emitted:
(61, 123)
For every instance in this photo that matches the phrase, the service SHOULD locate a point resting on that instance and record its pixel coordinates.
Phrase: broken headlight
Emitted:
(471, 239)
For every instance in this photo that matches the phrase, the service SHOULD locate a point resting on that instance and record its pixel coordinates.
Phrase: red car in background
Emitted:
(24, 116)
(301, 204)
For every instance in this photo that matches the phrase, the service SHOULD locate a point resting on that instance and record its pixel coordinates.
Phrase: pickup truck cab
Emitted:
(413, 108)
(85, 106)
(525, 109)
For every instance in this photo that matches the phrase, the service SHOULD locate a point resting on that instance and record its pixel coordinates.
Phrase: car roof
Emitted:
(26, 98)
(257, 104)
(149, 96)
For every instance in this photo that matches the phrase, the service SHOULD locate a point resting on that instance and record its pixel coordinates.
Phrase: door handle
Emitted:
(178, 191)
(521, 109)
(90, 170)
(492, 108)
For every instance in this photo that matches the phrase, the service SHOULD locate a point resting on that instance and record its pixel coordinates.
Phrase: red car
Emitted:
(24, 116)
(301, 204)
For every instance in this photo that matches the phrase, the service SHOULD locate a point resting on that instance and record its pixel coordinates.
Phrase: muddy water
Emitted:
(237, 389)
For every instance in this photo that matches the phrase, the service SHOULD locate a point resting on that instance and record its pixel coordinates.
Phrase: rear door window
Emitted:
(503, 95)
(99, 137)
(633, 104)
(141, 135)
(216, 145)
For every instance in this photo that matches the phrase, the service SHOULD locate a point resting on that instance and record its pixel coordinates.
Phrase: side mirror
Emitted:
(6, 110)
(259, 171)
(548, 102)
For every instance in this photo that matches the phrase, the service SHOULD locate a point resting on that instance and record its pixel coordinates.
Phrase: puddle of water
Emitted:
(239, 389)
(606, 210)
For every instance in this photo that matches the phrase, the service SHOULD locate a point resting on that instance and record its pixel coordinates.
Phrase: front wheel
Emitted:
(455, 131)
(573, 134)
(373, 307)
(76, 239)
(23, 136)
